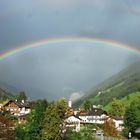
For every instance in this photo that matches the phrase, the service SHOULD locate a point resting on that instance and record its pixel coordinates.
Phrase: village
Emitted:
(96, 115)
(74, 119)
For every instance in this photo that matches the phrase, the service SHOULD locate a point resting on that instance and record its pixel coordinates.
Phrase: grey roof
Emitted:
(19, 104)
(117, 118)
(93, 112)
(67, 116)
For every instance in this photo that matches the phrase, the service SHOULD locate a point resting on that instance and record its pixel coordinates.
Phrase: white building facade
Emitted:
(96, 116)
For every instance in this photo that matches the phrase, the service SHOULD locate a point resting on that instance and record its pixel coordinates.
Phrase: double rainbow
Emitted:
(46, 42)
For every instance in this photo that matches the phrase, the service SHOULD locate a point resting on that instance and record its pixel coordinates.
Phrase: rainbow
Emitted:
(48, 41)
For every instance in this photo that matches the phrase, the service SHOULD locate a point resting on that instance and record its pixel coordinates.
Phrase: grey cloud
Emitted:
(50, 70)
(59, 70)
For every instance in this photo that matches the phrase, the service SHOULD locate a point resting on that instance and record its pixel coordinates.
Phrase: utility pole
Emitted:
(102, 136)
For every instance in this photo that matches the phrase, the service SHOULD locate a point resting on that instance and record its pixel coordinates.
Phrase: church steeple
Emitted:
(70, 103)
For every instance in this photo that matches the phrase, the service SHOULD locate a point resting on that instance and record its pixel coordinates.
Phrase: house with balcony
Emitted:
(17, 108)
(95, 115)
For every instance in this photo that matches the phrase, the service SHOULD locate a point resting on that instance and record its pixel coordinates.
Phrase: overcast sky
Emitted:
(66, 69)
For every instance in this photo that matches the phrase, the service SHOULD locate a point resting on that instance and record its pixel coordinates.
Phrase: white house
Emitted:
(72, 122)
(17, 108)
(96, 115)
(118, 123)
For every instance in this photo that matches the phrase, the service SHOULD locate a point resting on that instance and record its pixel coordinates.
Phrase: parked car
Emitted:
(99, 132)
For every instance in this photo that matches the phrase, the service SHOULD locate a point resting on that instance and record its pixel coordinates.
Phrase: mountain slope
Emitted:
(119, 85)
(7, 91)
(5, 95)
(127, 100)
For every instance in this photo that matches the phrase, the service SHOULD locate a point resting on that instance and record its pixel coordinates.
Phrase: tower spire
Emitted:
(70, 103)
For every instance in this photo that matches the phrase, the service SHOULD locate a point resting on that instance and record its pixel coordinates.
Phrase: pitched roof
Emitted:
(117, 118)
(19, 104)
(93, 112)
(66, 117)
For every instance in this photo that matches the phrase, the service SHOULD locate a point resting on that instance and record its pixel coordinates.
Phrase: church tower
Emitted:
(69, 103)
